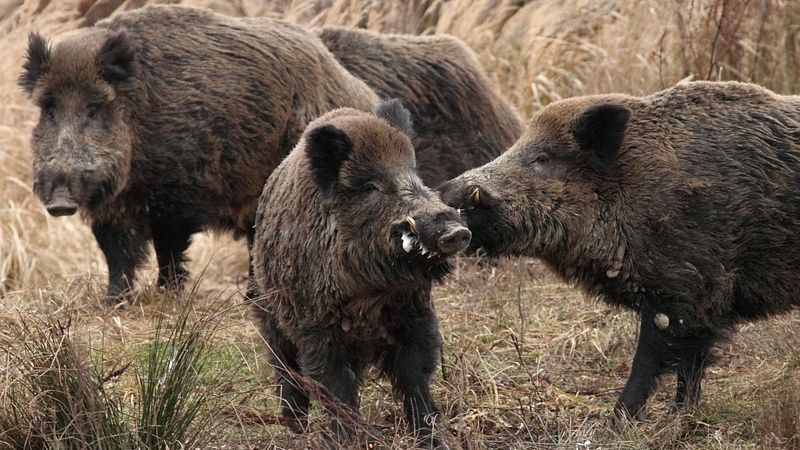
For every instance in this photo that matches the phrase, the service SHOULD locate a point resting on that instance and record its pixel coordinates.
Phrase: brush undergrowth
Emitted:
(61, 393)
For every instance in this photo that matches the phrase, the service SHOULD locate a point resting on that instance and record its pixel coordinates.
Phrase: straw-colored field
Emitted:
(528, 362)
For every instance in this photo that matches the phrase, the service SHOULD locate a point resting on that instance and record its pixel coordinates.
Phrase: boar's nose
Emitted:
(62, 208)
(454, 240)
(61, 203)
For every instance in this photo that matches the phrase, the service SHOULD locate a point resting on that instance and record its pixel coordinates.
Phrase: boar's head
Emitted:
(390, 228)
(82, 144)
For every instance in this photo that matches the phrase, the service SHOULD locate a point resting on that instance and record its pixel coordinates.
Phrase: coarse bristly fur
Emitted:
(683, 205)
(166, 121)
(460, 120)
(339, 290)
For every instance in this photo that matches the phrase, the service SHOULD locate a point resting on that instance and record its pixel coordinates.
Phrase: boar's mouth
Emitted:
(412, 244)
(61, 203)
(450, 241)
(478, 207)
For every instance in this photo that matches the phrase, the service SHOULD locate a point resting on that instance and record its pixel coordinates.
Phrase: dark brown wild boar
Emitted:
(348, 243)
(460, 121)
(166, 121)
(683, 206)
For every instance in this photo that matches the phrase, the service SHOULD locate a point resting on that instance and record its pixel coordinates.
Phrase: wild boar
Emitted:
(348, 243)
(683, 206)
(166, 121)
(460, 120)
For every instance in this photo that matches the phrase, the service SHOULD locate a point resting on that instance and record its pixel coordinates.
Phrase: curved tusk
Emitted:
(475, 196)
(412, 224)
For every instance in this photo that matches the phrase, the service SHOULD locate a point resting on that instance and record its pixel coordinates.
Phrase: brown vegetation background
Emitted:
(529, 361)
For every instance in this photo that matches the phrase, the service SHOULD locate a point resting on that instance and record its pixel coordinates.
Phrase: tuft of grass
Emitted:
(53, 397)
(57, 395)
(177, 403)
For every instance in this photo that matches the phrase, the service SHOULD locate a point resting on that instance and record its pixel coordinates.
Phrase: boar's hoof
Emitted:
(661, 320)
(120, 301)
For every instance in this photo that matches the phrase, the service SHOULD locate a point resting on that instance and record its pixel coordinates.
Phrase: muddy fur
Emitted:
(684, 204)
(338, 291)
(167, 120)
(460, 120)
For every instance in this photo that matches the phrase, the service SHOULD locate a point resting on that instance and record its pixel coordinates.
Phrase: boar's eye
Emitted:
(540, 162)
(542, 158)
(93, 109)
(371, 186)
(48, 107)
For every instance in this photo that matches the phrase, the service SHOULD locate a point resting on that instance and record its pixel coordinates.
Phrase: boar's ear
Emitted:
(396, 114)
(327, 147)
(116, 58)
(37, 62)
(599, 131)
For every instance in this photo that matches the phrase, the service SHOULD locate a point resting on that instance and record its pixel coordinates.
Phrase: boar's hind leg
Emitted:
(691, 370)
(171, 242)
(410, 364)
(124, 251)
(283, 358)
(648, 365)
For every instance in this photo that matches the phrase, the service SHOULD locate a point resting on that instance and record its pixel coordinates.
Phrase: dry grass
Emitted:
(527, 360)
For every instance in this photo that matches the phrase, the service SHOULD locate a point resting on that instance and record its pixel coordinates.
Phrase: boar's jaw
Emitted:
(410, 240)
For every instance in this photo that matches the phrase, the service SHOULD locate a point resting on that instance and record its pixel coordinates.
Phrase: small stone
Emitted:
(612, 273)
(661, 320)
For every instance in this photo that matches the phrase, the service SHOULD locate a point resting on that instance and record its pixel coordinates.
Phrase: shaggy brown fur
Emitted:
(167, 120)
(683, 205)
(341, 291)
(460, 121)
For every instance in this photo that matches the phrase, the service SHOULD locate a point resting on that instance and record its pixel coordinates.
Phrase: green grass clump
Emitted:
(57, 396)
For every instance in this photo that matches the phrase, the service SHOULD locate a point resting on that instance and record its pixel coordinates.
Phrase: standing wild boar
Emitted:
(167, 120)
(348, 242)
(683, 206)
(460, 121)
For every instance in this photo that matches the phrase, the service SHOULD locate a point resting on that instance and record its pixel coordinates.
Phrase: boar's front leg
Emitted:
(648, 365)
(252, 293)
(124, 250)
(410, 364)
(283, 359)
(696, 357)
(325, 359)
(171, 241)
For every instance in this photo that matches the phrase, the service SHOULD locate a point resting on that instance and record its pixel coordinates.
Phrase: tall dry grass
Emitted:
(536, 51)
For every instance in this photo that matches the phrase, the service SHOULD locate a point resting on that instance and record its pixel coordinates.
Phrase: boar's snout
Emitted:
(454, 240)
(465, 194)
(61, 203)
(434, 233)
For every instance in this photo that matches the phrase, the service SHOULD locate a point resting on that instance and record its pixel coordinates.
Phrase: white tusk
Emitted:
(409, 242)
